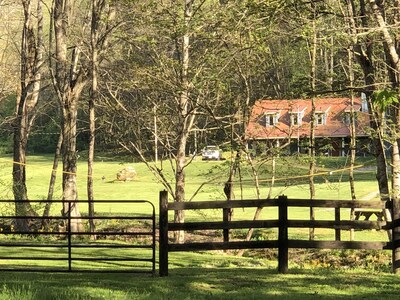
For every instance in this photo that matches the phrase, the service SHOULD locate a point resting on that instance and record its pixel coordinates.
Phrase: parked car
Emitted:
(211, 153)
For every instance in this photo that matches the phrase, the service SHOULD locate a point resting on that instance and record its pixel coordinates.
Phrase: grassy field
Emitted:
(218, 275)
(206, 176)
(206, 179)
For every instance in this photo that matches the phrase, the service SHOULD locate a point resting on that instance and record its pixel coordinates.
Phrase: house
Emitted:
(277, 122)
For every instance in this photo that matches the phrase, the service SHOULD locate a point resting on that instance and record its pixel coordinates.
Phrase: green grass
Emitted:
(322, 274)
(210, 177)
(205, 276)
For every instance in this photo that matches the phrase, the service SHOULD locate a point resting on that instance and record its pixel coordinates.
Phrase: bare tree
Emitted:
(31, 65)
(96, 9)
(102, 14)
(313, 57)
(69, 81)
(352, 136)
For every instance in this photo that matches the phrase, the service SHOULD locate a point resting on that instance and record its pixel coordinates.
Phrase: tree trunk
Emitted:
(22, 205)
(96, 9)
(179, 236)
(229, 190)
(185, 122)
(70, 193)
(313, 53)
(273, 172)
(53, 178)
(392, 52)
(31, 61)
(396, 200)
(19, 166)
(364, 57)
(68, 85)
(259, 209)
(54, 171)
(352, 137)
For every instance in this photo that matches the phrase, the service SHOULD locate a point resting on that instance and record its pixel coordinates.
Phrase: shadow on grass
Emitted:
(203, 283)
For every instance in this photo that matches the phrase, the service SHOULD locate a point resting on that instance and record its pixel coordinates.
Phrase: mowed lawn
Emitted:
(206, 179)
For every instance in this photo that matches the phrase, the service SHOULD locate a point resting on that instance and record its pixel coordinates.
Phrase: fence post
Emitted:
(163, 232)
(337, 220)
(283, 251)
(226, 217)
(69, 233)
(396, 236)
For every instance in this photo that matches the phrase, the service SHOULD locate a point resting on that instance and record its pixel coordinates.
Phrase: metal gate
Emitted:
(121, 240)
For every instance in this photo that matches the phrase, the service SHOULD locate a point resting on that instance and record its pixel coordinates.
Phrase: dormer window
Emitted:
(320, 118)
(271, 118)
(294, 119)
(296, 116)
(347, 119)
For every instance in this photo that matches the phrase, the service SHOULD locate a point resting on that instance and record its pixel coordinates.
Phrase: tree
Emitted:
(353, 136)
(390, 41)
(178, 68)
(358, 24)
(311, 152)
(69, 80)
(98, 40)
(31, 66)
(96, 14)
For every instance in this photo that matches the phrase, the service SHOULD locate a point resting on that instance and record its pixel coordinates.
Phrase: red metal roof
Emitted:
(333, 108)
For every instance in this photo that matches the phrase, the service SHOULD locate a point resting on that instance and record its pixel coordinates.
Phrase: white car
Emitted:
(211, 153)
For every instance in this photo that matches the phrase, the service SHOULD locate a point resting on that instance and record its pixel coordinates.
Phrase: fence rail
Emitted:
(283, 223)
(119, 243)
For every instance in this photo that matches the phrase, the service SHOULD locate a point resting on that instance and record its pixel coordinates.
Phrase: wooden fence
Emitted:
(283, 243)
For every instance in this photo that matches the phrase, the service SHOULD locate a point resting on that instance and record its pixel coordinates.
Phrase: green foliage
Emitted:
(7, 107)
(383, 99)
(377, 261)
(6, 145)
(43, 142)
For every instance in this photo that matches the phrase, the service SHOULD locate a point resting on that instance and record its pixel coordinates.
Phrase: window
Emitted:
(346, 117)
(295, 118)
(271, 119)
(296, 115)
(320, 118)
